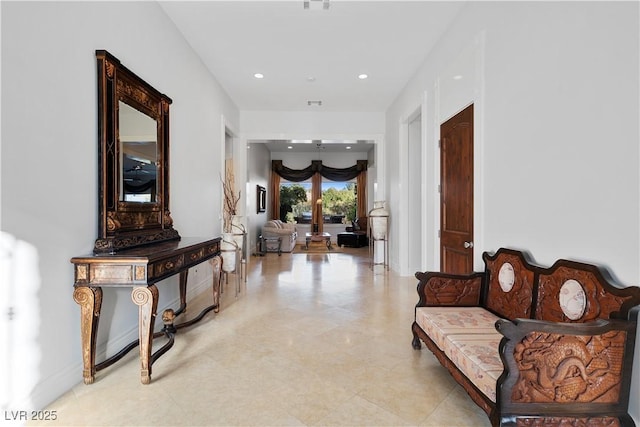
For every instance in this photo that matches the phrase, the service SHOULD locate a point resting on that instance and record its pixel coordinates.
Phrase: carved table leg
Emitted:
(147, 300)
(183, 288)
(90, 301)
(216, 266)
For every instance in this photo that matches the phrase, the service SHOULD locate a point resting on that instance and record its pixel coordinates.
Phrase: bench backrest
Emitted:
(569, 291)
(509, 286)
(574, 292)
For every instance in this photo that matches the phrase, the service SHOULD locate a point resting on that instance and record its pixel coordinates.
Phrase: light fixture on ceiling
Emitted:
(258, 76)
(315, 4)
(318, 103)
(363, 76)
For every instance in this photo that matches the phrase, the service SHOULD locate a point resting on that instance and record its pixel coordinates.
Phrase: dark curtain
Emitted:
(142, 188)
(294, 175)
(334, 174)
(361, 208)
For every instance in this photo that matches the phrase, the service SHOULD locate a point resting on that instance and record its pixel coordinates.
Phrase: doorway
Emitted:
(456, 193)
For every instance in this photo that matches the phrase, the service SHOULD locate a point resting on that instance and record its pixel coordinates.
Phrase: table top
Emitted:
(144, 265)
(149, 252)
(318, 235)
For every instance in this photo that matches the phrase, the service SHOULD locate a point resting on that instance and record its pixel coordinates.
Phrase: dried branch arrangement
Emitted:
(230, 206)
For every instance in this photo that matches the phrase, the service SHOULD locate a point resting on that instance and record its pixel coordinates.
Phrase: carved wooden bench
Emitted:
(533, 346)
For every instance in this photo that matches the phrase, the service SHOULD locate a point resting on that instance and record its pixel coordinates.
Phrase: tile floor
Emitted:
(312, 340)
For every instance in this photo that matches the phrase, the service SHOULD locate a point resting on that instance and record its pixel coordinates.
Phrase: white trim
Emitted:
(479, 153)
(404, 230)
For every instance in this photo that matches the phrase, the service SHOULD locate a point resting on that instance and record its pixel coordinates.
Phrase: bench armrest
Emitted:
(574, 371)
(436, 289)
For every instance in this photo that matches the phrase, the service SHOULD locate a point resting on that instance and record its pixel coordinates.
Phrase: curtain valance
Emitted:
(333, 174)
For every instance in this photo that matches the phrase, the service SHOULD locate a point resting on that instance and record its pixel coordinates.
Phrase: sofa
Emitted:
(284, 230)
(533, 346)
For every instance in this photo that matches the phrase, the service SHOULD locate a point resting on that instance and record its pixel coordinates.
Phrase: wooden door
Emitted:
(456, 193)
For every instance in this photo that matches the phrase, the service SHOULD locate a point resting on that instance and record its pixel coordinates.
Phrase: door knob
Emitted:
(468, 245)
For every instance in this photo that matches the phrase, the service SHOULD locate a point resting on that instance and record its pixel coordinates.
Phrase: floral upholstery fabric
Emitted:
(438, 322)
(468, 337)
(477, 356)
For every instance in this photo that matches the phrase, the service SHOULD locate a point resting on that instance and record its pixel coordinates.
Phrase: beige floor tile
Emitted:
(308, 340)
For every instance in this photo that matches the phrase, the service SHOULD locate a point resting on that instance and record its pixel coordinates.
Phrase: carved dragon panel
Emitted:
(556, 368)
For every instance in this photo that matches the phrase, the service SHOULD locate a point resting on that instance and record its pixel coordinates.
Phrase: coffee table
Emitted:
(317, 237)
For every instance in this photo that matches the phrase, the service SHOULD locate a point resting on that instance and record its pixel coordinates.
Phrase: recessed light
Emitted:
(311, 79)
(258, 76)
(348, 147)
(457, 77)
(362, 76)
(290, 147)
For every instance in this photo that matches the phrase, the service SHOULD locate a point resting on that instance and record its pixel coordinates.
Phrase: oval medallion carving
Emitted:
(506, 277)
(572, 299)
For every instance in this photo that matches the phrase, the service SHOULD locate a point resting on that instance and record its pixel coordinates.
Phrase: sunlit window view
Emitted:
(338, 201)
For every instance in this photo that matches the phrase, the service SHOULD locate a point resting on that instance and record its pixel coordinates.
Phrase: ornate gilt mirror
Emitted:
(133, 135)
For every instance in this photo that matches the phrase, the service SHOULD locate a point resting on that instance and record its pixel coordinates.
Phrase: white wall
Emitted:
(49, 157)
(555, 87)
(259, 173)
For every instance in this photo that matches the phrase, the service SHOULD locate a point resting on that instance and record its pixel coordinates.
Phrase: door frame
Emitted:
(404, 228)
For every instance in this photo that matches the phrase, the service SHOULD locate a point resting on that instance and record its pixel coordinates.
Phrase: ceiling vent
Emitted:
(316, 4)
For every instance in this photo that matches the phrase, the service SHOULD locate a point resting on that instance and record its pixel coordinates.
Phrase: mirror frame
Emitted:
(125, 225)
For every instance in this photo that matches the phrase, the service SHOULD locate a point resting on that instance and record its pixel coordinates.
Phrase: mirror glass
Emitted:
(139, 155)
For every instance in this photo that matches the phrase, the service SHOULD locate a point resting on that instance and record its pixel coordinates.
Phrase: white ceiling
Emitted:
(317, 146)
(388, 40)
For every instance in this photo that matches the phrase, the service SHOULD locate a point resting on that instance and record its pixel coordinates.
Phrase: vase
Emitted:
(228, 252)
(378, 218)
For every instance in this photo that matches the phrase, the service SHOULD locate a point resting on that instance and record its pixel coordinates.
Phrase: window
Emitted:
(338, 201)
(295, 202)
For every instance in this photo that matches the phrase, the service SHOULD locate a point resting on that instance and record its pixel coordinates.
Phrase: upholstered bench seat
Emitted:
(467, 335)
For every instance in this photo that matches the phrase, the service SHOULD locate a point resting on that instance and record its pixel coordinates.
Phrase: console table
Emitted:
(139, 268)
